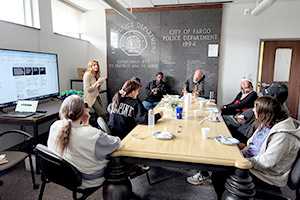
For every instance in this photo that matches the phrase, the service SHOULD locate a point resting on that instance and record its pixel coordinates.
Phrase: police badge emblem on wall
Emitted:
(133, 43)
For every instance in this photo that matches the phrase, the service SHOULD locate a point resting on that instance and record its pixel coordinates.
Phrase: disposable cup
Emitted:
(196, 113)
(202, 103)
(205, 132)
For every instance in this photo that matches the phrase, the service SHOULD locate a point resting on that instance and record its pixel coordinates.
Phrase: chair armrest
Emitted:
(19, 132)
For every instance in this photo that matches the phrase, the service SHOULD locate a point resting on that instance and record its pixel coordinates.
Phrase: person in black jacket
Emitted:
(155, 91)
(243, 101)
(128, 110)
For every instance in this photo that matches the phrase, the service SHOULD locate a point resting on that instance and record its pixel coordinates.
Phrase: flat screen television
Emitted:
(27, 75)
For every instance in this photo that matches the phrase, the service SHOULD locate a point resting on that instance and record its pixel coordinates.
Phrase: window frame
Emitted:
(76, 35)
(28, 8)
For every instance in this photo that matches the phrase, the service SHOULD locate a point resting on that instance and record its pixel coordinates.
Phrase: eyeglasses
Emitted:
(86, 105)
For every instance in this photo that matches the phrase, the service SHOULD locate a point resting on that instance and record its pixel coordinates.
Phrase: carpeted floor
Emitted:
(169, 184)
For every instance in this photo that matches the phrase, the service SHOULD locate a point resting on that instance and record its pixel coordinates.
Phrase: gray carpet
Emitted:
(169, 184)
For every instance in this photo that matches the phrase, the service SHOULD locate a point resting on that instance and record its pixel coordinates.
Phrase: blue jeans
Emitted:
(149, 105)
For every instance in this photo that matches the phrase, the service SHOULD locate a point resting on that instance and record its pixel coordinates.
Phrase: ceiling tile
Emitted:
(100, 4)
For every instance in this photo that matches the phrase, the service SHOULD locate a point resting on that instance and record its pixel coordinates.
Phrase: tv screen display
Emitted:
(27, 75)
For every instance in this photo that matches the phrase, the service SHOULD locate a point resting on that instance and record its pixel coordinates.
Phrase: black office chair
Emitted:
(16, 157)
(109, 108)
(57, 170)
(293, 184)
(102, 125)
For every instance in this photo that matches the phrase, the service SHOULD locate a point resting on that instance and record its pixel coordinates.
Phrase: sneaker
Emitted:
(198, 179)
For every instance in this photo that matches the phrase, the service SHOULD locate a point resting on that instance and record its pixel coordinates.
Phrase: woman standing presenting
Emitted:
(91, 86)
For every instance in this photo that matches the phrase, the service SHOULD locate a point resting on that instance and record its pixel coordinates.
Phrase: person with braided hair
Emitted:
(82, 145)
(128, 110)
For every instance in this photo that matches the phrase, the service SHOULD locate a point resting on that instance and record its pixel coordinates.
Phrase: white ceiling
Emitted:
(99, 4)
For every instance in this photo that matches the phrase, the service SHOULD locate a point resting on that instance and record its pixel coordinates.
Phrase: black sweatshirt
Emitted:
(128, 114)
(162, 89)
(238, 105)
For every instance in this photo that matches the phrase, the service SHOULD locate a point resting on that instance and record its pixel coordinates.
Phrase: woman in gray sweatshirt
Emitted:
(273, 147)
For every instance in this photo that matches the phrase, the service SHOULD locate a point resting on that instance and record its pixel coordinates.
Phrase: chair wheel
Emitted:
(1, 183)
(35, 186)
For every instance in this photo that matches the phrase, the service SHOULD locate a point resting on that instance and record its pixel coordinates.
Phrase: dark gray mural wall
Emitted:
(175, 42)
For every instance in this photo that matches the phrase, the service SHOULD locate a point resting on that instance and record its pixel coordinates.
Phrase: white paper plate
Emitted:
(212, 109)
(159, 136)
(211, 104)
(207, 119)
(227, 140)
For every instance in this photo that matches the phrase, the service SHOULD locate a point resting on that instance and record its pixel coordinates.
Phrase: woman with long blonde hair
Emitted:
(91, 86)
(84, 146)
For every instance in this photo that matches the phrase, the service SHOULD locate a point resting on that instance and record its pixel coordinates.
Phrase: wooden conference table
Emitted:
(186, 150)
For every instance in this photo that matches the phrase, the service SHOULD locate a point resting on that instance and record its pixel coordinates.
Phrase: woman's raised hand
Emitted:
(101, 80)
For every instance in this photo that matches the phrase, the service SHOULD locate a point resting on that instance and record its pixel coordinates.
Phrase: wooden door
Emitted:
(268, 73)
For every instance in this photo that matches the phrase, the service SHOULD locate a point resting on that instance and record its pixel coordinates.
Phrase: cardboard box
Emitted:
(80, 72)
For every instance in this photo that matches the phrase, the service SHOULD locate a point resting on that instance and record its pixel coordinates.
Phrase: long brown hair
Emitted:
(269, 112)
(90, 67)
(71, 109)
(127, 88)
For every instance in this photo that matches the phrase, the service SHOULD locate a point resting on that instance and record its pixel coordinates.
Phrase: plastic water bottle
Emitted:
(211, 95)
(151, 121)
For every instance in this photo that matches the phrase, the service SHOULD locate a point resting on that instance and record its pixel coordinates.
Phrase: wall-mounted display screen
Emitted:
(27, 75)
